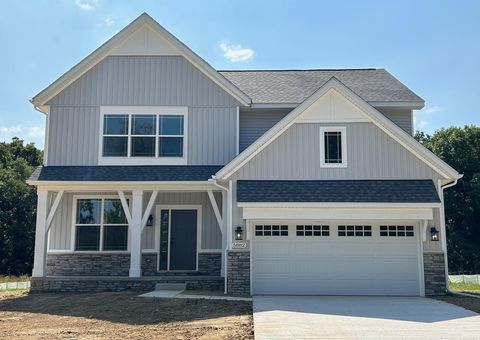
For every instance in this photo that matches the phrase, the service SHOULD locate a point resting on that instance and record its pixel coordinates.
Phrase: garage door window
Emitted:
(313, 230)
(271, 230)
(396, 231)
(355, 230)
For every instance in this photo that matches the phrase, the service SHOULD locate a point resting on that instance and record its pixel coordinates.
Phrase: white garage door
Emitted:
(335, 258)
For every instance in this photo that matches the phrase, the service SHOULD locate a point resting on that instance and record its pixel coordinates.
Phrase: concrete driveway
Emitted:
(355, 317)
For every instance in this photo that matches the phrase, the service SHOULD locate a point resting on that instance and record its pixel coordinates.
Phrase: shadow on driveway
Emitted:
(415, 309)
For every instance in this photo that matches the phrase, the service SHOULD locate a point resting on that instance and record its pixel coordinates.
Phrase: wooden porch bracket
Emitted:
(216, 210)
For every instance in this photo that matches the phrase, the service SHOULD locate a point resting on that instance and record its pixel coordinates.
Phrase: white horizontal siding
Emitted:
(255, 123)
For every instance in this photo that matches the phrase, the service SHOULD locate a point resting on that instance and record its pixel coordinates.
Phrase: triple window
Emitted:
(143, 135)
(333, 147)
(100, 225)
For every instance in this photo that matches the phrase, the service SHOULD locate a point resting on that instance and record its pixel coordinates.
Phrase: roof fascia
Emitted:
(377, 118)
(336, 205)
(100, 53)
(400, 104)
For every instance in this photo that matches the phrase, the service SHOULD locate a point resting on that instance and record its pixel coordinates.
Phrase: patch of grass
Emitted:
(10, 278)
(465, 287)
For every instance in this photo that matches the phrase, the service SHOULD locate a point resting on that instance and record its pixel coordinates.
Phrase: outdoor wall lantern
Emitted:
(150, 221)
(434, 233)
(238, 233)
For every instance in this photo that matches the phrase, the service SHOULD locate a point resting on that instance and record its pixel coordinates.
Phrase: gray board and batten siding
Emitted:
(371, 154)
(60, 237)
(254, 123)
(142, 81)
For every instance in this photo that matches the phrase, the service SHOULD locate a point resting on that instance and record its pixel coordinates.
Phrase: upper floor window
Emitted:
(333, 147)
(154, 135)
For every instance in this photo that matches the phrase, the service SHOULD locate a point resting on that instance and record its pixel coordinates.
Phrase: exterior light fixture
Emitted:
(150, 221)
(238, 233)
(434, 234)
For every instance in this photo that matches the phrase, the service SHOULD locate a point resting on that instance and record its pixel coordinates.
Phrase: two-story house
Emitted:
(160, 168)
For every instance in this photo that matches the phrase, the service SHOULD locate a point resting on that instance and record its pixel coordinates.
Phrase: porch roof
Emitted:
(344, 191)
(124, 173)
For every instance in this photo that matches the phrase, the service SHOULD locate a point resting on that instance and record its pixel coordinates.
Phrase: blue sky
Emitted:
(431, 46)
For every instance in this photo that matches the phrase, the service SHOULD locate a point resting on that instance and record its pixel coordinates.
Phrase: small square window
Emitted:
(341, 233)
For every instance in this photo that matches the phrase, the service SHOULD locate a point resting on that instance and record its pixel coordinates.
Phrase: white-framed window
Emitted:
(271, 230)
(396, 231)
(312, 230)
(355, 230)
(99, 224)
(333, 146)
(143, 135)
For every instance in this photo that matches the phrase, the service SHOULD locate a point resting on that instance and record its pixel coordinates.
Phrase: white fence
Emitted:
(15, 285)
(469, 279)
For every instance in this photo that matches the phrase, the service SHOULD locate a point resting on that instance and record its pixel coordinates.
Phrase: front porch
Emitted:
(117, 236)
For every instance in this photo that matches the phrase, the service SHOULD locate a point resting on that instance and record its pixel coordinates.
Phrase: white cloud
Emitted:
(422, 124)
(28, 133)
(36, 131)
(9, 130)
(109, 21)
(86, 5)
(236, 53)
(434, 109)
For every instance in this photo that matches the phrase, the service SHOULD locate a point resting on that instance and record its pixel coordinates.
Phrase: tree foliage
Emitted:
(18, 202)
(460, 148)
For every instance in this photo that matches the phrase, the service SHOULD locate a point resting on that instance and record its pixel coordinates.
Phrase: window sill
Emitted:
(332, 165)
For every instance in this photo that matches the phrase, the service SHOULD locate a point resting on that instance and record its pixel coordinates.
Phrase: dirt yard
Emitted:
(120, 316)
(470, 303)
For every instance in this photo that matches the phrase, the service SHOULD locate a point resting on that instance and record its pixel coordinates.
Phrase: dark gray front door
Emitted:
(183, 240)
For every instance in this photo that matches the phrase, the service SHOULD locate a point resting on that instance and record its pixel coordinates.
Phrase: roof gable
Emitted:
(332, 107)
(367, 110)
(146, 36)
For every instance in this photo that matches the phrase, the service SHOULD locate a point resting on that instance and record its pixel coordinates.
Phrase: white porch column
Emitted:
(136, 234)
(40, 253)
(224, 231)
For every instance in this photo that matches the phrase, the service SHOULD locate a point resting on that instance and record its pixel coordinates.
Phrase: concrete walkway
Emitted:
(334, 317)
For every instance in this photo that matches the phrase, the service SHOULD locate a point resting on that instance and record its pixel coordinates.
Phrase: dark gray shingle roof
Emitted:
(141, 173)
(294, 86)
(364, 191)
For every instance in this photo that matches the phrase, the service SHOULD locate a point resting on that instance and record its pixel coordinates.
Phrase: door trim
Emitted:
(158, 209)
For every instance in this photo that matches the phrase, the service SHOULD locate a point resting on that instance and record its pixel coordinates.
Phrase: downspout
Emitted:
(227, 225)
(446, 186)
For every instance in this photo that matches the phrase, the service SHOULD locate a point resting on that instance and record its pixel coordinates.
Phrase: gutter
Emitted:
(228, 229)
(446, 186)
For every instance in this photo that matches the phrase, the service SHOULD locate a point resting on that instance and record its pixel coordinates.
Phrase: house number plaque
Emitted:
(239, 245)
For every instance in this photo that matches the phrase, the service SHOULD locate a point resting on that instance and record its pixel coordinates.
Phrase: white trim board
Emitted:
(112, 45)
(337, 213)
(375, 116)
(335, 205)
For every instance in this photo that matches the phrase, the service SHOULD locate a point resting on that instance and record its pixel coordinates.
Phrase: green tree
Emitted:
(18, 202)
(460, 148)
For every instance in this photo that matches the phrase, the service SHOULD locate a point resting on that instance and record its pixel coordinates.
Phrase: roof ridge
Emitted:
(306, 70)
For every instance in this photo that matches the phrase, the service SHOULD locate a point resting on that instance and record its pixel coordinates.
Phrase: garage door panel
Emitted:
(336, 265)
(311, 248)
(273, 266)
(311, 268)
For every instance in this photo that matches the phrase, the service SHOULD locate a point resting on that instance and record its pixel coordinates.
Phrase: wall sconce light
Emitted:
(150, 221)
(434, 234)
(238, 233)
